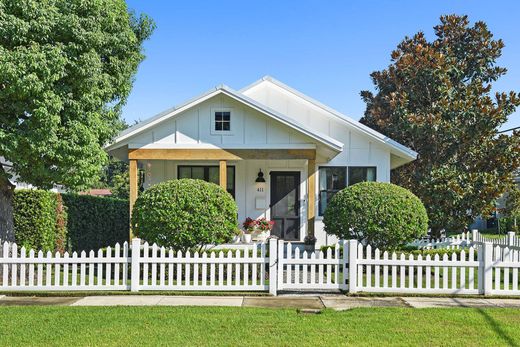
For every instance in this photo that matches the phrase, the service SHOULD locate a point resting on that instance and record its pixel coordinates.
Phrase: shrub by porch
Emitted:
(383, 215)
(185, 213)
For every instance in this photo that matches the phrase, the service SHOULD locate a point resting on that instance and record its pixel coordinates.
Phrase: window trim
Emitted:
(214, 121)
(320, 213)
(363, 167)
(347, 180)
(206, 174)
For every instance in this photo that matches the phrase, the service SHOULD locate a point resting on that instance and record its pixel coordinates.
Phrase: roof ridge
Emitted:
(160, 117)
(362, 127)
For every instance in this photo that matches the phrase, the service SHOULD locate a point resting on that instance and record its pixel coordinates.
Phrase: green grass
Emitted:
(211, 326)
(494, 236)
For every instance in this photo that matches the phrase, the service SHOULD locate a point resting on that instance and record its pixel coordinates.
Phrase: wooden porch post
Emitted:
(223, 174)
(133, 188)
(311, 193)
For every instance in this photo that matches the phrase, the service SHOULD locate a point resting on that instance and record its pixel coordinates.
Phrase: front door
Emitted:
(285, 204)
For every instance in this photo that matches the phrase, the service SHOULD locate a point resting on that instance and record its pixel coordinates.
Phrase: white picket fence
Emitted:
(483, 268)
(464, 240)
(453, 242)
(235, 270)
(378, 272)
(510, 239)
(311, 270)
(26, 270)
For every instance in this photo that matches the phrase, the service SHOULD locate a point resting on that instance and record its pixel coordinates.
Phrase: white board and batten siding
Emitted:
(193, 128)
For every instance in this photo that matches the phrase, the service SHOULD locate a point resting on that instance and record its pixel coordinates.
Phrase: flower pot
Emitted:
(261, 235)
(310, 248)
(246, 238)
(236, 239)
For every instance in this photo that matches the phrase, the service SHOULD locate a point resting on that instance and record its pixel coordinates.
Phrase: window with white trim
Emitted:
(332, 179)
(222, 121)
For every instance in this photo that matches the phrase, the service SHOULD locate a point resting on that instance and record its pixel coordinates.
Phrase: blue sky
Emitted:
(326, 49)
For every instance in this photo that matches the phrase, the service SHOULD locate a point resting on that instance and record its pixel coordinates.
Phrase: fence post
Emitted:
(510, 238)
(135, 267)
(273, 265)
(352, 265)
(474, 235)
(344, 264)
(485, 267)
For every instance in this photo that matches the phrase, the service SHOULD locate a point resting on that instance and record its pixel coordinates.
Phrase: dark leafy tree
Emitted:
(435, 97)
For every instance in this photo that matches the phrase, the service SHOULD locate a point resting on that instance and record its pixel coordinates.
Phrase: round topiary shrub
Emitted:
(381, 214)
(185, 213)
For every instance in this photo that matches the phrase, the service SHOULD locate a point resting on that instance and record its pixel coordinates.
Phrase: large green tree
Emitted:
(435, 97)
(66, 69)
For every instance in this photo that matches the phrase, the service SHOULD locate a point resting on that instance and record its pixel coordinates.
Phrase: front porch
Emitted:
(289, 174)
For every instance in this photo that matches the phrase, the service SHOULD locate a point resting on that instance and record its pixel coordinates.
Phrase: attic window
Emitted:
(222, 121)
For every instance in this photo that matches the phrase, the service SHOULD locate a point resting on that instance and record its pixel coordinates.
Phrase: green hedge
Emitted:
(96, 222)
(40, 220)
(48, 221)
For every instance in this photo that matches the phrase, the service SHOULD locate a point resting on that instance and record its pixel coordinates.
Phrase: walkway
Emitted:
(306, 302)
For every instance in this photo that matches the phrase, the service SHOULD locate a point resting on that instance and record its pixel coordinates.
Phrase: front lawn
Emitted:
(211, 326)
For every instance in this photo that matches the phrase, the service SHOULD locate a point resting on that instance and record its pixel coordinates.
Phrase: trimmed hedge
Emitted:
(40, 220)
(48, 221)
(96, 222)
(382, 214)
(185, 213)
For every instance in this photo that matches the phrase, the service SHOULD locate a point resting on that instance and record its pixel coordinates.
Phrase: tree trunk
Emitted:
(6, 208)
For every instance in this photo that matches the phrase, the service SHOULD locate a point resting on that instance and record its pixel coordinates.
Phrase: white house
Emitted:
(266, 130)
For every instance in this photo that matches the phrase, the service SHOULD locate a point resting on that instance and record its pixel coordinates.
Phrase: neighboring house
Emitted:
(264, 132)
(97, 192)
(483, 223)
(8, 166)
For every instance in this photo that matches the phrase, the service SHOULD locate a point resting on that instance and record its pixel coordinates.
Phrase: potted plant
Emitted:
(263, 229)
(310, 243)
(237, 236)
(249, 228)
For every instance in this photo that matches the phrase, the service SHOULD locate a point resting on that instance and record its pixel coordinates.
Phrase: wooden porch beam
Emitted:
(133, 188)
(311, 192)
(223, 174)
(220, 154)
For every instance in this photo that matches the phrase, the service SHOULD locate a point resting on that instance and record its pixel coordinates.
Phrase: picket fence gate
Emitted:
(482, 268)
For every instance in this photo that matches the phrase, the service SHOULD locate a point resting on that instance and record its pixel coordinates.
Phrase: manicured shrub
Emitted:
(382, 214)
(96, 222)
(40, 221)
(508, 224)
(185, 213)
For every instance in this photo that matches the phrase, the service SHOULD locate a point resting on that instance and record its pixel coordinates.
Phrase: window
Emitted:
(361, 174)
(332, 179)
(222, 121)
(208, 174)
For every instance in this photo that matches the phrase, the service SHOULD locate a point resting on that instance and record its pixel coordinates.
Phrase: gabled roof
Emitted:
(223, 89)
(399, 148)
